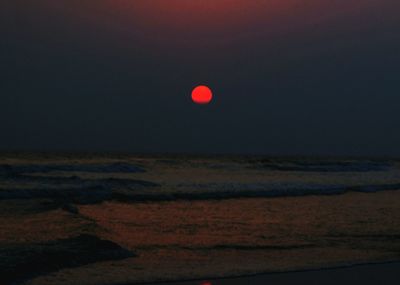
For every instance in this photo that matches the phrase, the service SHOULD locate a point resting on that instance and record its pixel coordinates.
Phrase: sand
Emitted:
(371, 274)
(184, 240)
(169, 219)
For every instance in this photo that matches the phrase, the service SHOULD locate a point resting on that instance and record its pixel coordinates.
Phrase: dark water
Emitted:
(100, 178)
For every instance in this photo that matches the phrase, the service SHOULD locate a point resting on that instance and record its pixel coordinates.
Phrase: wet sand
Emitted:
(184, 240)
(157, 220)
(371, 274)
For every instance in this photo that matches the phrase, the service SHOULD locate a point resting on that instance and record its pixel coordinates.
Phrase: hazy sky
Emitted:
(289, 76)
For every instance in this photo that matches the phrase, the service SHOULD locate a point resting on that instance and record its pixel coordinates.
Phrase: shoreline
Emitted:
(182, 232)
(280, 227)
(287, 276)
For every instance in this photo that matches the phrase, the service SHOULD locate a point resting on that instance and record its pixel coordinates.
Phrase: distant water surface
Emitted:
(187, 178)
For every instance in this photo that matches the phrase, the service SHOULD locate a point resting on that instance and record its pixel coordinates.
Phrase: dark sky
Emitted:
(289, 76)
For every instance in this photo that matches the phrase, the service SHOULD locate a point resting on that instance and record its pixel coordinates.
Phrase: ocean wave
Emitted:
(68, 189)
(99, 192)
(246, 193)
(76, 180)
(322, 166)
(78, 194)
(26, 181)
(118, 167)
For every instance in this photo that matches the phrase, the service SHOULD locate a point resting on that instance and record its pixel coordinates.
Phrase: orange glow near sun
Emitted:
(192, 20)
(195, 24)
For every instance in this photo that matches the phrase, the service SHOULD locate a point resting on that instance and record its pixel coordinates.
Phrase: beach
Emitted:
(131, 220)
(370, 274)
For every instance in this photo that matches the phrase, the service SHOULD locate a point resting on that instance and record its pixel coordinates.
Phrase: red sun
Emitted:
(202, 95)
